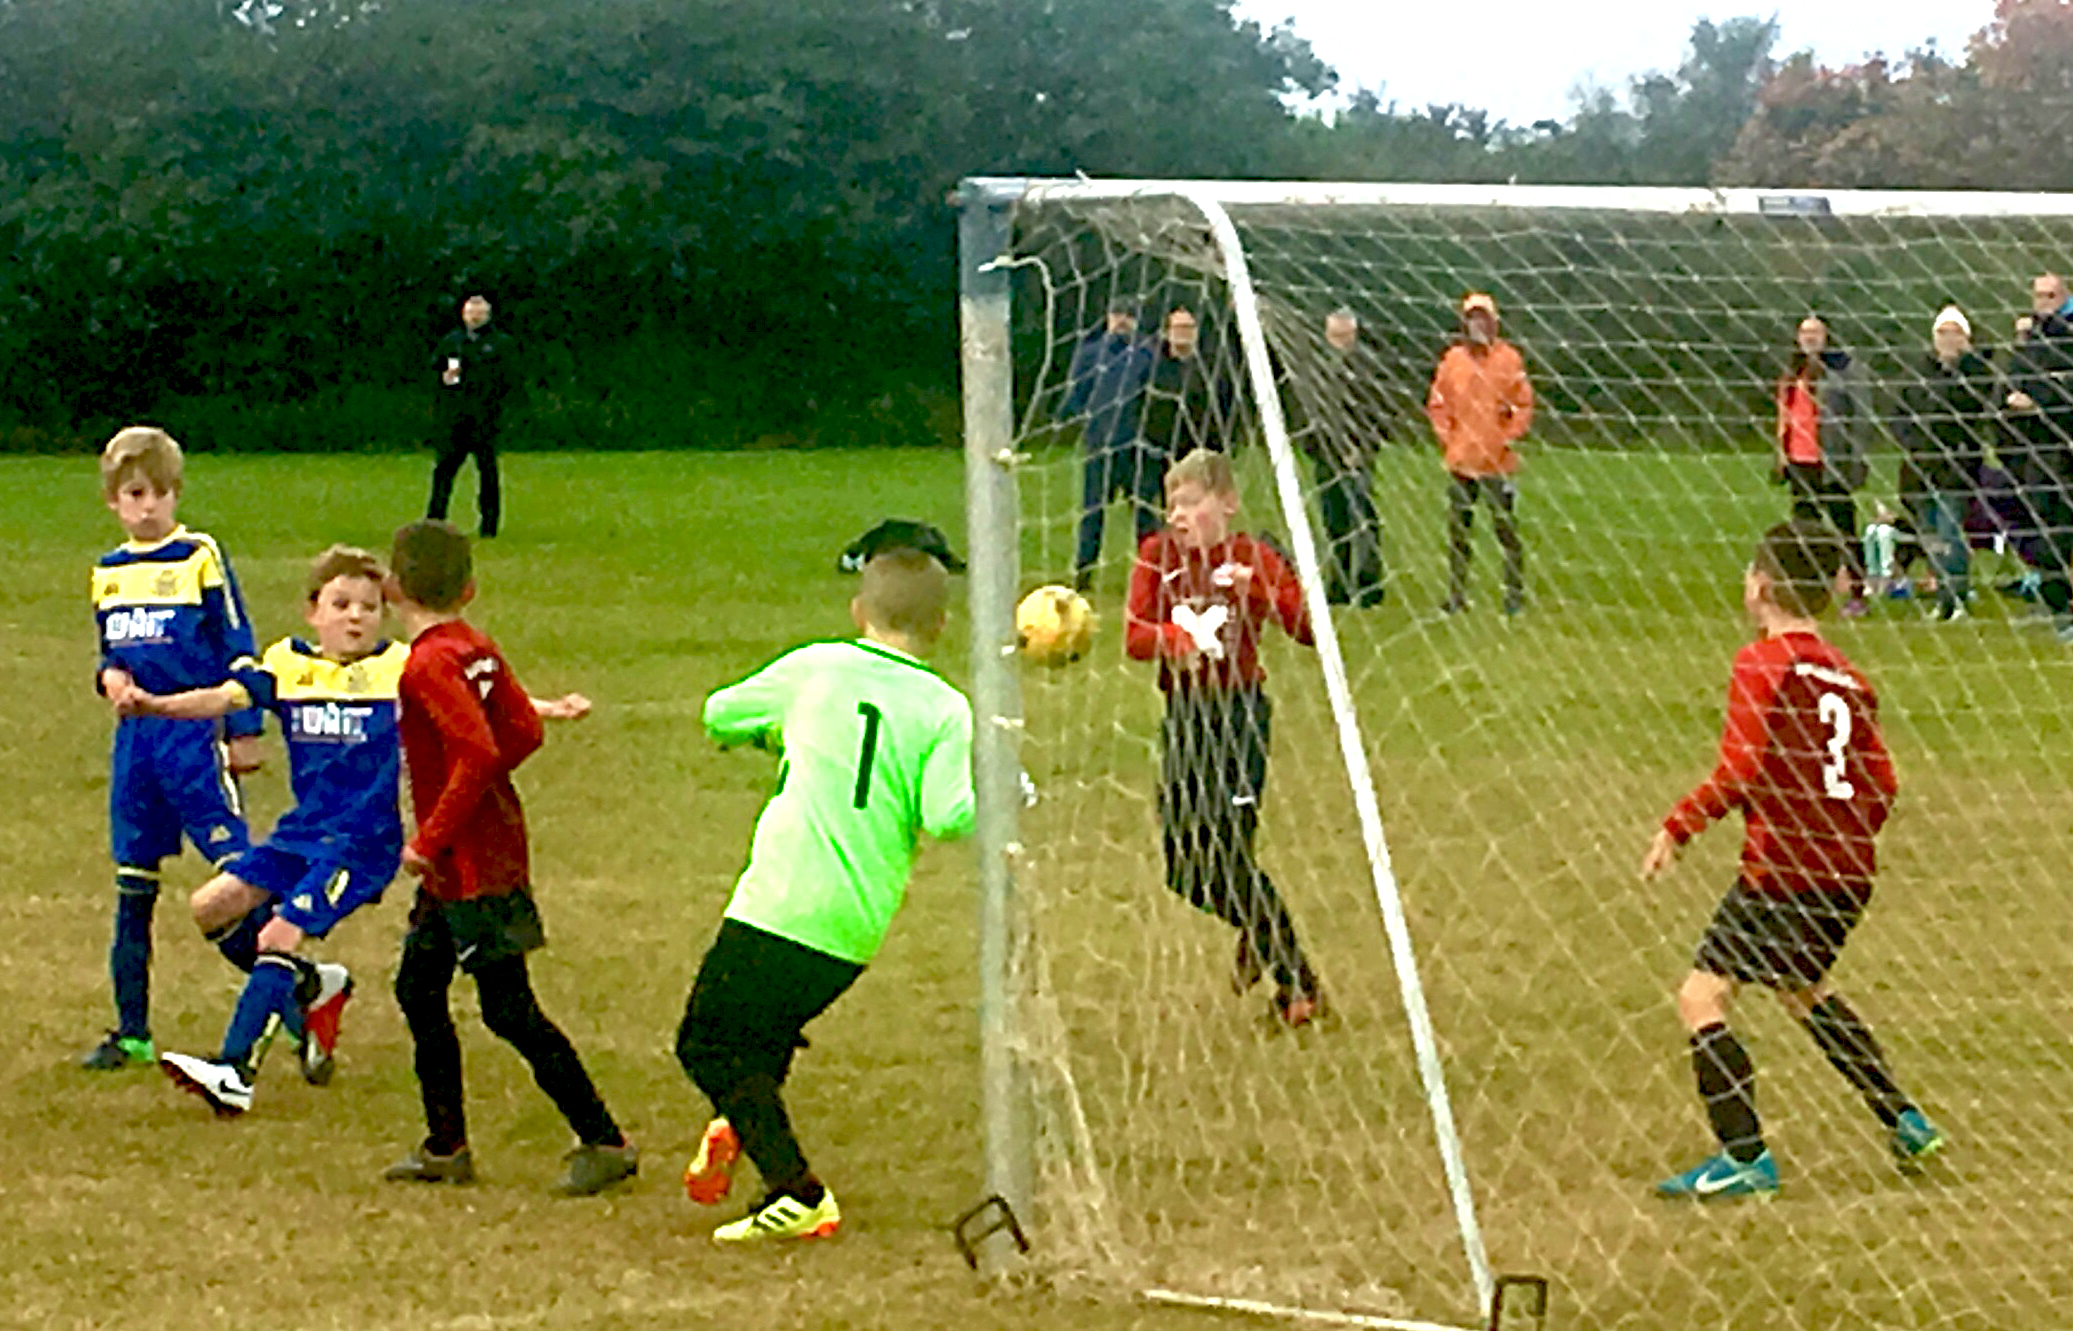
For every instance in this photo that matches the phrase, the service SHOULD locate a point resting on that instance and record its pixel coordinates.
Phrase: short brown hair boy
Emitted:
(432, 564)
(341, 561)
(1801, 560)
(140, 450)
(905, 592)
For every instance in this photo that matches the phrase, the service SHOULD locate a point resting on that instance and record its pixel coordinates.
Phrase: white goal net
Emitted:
(1492, 761)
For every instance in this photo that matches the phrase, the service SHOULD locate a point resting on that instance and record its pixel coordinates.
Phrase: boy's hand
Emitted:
(2021, 401)
(1662, 853)
(568, 707)
(1238, 577)
(117, 687)
(242, 751)
(414, 864)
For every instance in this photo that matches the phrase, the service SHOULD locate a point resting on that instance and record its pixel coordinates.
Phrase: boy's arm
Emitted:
(568, 707)
(193, 705)
(1148, 636)
(223, 608)
(251, 687)
(751, 711)
(948, 802)
(442, 693)
(514, 719)
(1276, 591)
(108, 668)
(1743, 741)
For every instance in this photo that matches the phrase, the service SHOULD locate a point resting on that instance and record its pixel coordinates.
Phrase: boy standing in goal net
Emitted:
(1199, 598)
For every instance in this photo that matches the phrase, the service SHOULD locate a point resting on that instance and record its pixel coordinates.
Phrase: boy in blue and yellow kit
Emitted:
(170, 619)
(331, 854)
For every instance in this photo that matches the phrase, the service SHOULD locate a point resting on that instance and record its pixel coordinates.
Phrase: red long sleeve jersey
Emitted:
(1173, 582)
(466, 725)
(1801, 756)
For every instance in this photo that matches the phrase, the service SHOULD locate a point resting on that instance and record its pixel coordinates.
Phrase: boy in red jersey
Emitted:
(466, 724)
(1200, 597)
(1801, 756)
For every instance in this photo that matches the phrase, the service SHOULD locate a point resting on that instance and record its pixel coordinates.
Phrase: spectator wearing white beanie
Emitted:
(1947, 416)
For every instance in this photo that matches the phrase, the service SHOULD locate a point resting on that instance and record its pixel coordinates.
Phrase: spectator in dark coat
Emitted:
(1948, 414)
(1106, 384)
(1193, 399)
(1341, 414)
(2040, 443)
(476, 371)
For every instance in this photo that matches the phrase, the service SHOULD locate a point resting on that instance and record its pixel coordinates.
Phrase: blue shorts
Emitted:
(315, 889)
(168, 778)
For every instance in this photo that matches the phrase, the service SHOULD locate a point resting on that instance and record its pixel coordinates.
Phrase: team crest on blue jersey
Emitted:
(168, 583)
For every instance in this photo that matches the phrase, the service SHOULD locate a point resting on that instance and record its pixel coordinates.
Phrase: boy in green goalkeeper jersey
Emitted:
(876, 750)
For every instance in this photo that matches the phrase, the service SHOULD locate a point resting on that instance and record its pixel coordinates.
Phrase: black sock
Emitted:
(808, 1190)
(1854, 1051)
(1727, 1085)
(238, 941)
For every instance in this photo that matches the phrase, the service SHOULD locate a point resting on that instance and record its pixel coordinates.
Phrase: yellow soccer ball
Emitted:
(1054, 626)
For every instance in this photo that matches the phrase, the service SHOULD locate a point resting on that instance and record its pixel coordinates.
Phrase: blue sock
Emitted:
(270, 993)
(129, 956)
(239, 944)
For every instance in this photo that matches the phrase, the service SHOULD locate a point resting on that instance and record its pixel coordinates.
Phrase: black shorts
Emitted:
(1783, 941)
(753, 998)
(482, 930)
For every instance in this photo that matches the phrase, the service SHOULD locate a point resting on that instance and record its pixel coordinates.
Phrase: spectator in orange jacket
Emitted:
(1480, 404)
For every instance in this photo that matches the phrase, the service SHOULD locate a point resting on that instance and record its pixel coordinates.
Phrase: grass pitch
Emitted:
(1519, 767)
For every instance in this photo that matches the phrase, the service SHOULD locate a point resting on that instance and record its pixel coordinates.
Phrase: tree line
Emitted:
(714, 220)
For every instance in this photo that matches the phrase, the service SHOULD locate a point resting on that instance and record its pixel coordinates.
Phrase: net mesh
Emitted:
(1188, 1141)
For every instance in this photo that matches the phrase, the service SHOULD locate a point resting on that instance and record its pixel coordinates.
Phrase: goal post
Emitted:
(1457, 800)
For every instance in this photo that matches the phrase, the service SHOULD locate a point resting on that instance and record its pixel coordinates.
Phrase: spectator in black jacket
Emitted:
(1192, 401)
(475, 370)
(1948, 414)
(2040, 435)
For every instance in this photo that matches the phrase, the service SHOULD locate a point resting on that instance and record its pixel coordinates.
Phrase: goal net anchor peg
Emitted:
(1534, 1290)
(982, 1222)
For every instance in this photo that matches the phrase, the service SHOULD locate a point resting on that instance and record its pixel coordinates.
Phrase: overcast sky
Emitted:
(1520, 58)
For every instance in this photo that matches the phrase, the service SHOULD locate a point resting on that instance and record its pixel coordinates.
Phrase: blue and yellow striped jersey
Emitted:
(170, 614)
(345, 756)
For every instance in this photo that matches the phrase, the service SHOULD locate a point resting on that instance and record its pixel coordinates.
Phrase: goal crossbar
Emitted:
(1752, 202)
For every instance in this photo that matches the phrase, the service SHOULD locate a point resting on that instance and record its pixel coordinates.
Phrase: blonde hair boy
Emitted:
(141, 450)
